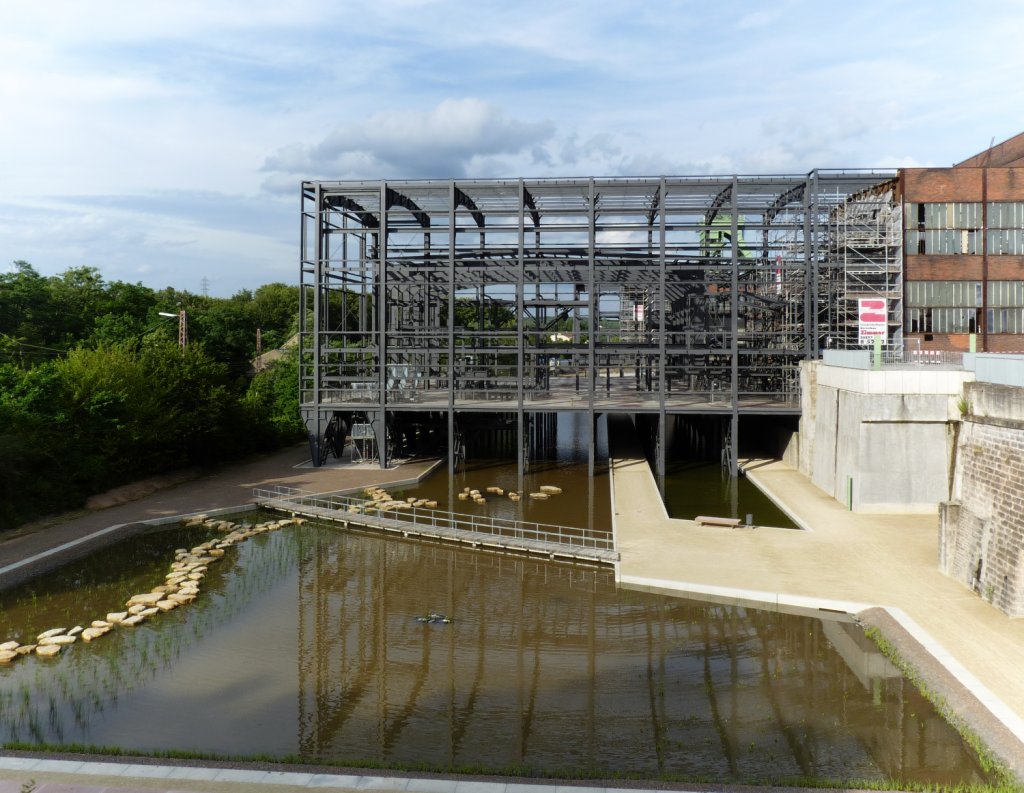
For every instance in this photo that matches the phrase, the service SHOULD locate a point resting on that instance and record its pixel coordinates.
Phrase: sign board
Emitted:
(638, 312)
(871, 319)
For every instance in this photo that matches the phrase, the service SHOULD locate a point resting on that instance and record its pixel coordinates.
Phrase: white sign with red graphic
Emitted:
(871, 316)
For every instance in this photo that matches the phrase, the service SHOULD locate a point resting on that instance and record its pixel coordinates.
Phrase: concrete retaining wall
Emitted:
(981, 528)
(880, 440)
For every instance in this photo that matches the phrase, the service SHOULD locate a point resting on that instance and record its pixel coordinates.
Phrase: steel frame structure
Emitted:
(429, 307)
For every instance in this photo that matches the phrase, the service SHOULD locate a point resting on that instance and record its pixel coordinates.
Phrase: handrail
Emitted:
(420, 517)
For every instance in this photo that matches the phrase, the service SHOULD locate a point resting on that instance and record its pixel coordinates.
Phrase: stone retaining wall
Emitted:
(981, 528)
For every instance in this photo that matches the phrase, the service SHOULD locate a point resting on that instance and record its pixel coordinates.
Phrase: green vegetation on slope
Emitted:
(95, 391)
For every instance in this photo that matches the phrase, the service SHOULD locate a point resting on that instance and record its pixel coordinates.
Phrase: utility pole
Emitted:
(182, 316)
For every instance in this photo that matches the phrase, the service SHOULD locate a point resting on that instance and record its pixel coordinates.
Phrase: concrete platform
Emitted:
(844, 562)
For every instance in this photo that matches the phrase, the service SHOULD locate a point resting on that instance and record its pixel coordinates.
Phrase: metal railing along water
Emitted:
(459, 525)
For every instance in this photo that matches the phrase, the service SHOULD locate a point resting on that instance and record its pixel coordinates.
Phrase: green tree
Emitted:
(273, 396)
(25, 305)
(95, 390)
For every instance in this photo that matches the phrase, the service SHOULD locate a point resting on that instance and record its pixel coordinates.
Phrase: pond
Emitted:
(308, 643)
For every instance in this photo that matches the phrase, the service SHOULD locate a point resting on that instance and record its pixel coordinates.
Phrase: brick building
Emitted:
(964, 252)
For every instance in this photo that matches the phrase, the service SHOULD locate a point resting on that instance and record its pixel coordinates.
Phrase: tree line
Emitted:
(95, 390)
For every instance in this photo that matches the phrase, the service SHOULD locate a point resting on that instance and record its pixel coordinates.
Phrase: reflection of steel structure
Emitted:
(427, 302)
(551, 667)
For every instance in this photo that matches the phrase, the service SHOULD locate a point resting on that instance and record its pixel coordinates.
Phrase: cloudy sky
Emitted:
(164, 142)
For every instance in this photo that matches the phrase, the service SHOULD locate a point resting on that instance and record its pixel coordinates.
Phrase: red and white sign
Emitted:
(871, 316)
(638, 312)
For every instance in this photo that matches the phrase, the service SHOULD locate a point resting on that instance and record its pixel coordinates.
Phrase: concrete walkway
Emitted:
(847, 562)
(73, 776)
(226, 487)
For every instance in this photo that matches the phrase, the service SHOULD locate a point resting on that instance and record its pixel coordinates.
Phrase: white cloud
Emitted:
(441, 142)
(191, 118)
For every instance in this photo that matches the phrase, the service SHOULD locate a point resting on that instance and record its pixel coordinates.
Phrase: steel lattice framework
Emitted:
(429, 307)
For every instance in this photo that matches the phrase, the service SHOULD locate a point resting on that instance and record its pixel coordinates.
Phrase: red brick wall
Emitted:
(1005, 153)
(997, 342)
(917, 267)
(941, 184)
(1005, 184)
(943, 341)
(962, 184)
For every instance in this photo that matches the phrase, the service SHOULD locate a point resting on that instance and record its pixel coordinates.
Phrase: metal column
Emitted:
(592, 323)
(662, 452)
(380, 425)
(734, 346)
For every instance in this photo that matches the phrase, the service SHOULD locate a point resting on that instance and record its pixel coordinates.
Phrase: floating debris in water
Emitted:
(436, 619)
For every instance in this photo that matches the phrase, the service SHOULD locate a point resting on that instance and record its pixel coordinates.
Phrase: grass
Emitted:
(1007, 785)
(989, 763)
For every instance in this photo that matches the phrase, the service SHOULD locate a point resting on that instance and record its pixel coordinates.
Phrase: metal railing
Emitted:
(455, 524)
(895, 359)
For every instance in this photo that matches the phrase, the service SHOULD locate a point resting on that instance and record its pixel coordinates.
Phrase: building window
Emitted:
(1006, 227)
(943, 228)
(1005, 320)
(942, 306)
(1005, 307)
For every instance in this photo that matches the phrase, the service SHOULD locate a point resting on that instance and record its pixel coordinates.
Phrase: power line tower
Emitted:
(205, 286)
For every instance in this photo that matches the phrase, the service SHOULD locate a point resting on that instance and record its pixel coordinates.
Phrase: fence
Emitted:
(898, 358)
(549, 539)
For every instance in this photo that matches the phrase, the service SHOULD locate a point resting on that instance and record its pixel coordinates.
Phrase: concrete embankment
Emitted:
(845, 562)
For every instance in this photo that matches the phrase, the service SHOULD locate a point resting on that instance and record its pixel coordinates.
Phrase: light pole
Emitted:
(182, 326)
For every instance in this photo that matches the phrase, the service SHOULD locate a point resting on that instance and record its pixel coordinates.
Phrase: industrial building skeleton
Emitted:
(431, 308)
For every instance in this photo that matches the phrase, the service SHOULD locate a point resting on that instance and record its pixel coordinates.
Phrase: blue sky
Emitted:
(165, 142)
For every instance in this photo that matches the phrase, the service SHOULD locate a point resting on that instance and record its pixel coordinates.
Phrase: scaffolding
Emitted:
(866, 247)
(432, 310)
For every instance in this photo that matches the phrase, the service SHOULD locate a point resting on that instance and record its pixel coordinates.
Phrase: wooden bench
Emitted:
(705, 520)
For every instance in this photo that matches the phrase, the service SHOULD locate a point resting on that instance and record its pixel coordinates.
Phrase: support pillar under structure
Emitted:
(316, 427)
(659, 453)
(591, 444)
(452, 451)
(734, 445)
(378, 420)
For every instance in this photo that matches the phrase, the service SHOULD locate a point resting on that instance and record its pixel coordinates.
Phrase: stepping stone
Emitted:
(60, 639)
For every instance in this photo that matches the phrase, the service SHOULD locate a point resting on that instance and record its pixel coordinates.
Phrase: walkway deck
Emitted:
(539, 539)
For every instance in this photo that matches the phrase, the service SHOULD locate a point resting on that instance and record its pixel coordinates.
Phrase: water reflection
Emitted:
(306, 642)
(697, 487)
(551, 668)
(562, 462)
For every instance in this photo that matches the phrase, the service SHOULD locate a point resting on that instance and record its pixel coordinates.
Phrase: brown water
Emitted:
(694, 487)
(305, 642)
